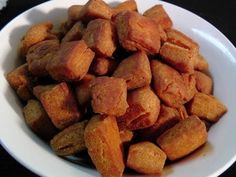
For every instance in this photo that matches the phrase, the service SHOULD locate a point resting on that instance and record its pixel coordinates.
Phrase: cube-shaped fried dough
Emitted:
(137, 32)
(37, 119)
(109, 96)
(144, 108)
(60, 105)
(203, 82)
(135, 70)
(146, 158)
(126, 5)
(100, 37)
(201, 63)
(94, 9)
(102, 139)
(180, 58)
(159, 15)
(73, 12)
(39, 55)
(19, 80)
(75, 33)
(182, 139)
(206, 107)
(71, 62)
(70, 140)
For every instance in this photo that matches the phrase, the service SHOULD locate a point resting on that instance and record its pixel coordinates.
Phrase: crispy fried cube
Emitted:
(172, 88)
(137, 32)
(207, 107)
(201, 63)
(109, 96)
(94, 9)
(19, 80)
(159, 15)
(71, 62)
(135, 70)
(104, 145)
(203, 82)
(146, 157)
(75, 33)
(124, 6)
(100, 37)
(180, 58)
(37, 119)
(144, 108)
(70, 140)
(60, 105)
(103, 66)
(39, 54)
(126, 136)
(83, 90)
(182, 139)
(73, 12)
(35, 34)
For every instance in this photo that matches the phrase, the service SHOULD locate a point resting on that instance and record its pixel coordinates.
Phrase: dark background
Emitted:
(219, 13)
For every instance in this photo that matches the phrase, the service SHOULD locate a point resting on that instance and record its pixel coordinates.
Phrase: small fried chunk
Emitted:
(207, 107)
(204, 83)
(146, 158)
(182, 139)
(201, 63)
(124, 6)
(102, 139)
(73, 12)
(109, 96)
(75, 33)
(135, 70)
(70, 140)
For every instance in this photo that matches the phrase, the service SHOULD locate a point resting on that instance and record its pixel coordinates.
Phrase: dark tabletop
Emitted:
(219, 13)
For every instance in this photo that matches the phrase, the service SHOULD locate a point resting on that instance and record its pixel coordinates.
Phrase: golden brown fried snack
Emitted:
(35, 34)
(172, 88)
(39, 89)
(182, 139)
(137, 32)
(73, 12)
(159, 15)
(70, 140)
(39, 55)
(109, 96)
(124, 6)
(207, 107)
(204, 83)
(201, 63)
(180, 58)
(19, 80)
(104, 145)
(146, 157)
(135, 70)
(94, 9)
(72, 61)
(37, 119)
(144, 107)
(75, 33)
(83, 90)
(103, 66)
(100, 37)
(60, 105)
(126, 136)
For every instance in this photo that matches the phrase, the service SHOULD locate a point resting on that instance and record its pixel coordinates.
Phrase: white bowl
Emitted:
(214, 158)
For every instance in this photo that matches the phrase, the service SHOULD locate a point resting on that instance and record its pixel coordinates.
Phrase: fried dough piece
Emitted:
(135, 70)
(204, 83)
(60, 105)
(35, 34)
(144, 108)
(137, 32)
(72, 61)
(100, 37)
(173, 88)
(146, 157)
(207, 107)
(109, 96)
(126, 136)
(201, 63)
(37, 119)
(19, 80)
(159, 15)
(182, 139)
(73, 12)
(94, 9)
(104, 145)
(75, 33)
(40, 54)
(70, 140)
(124, 6)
